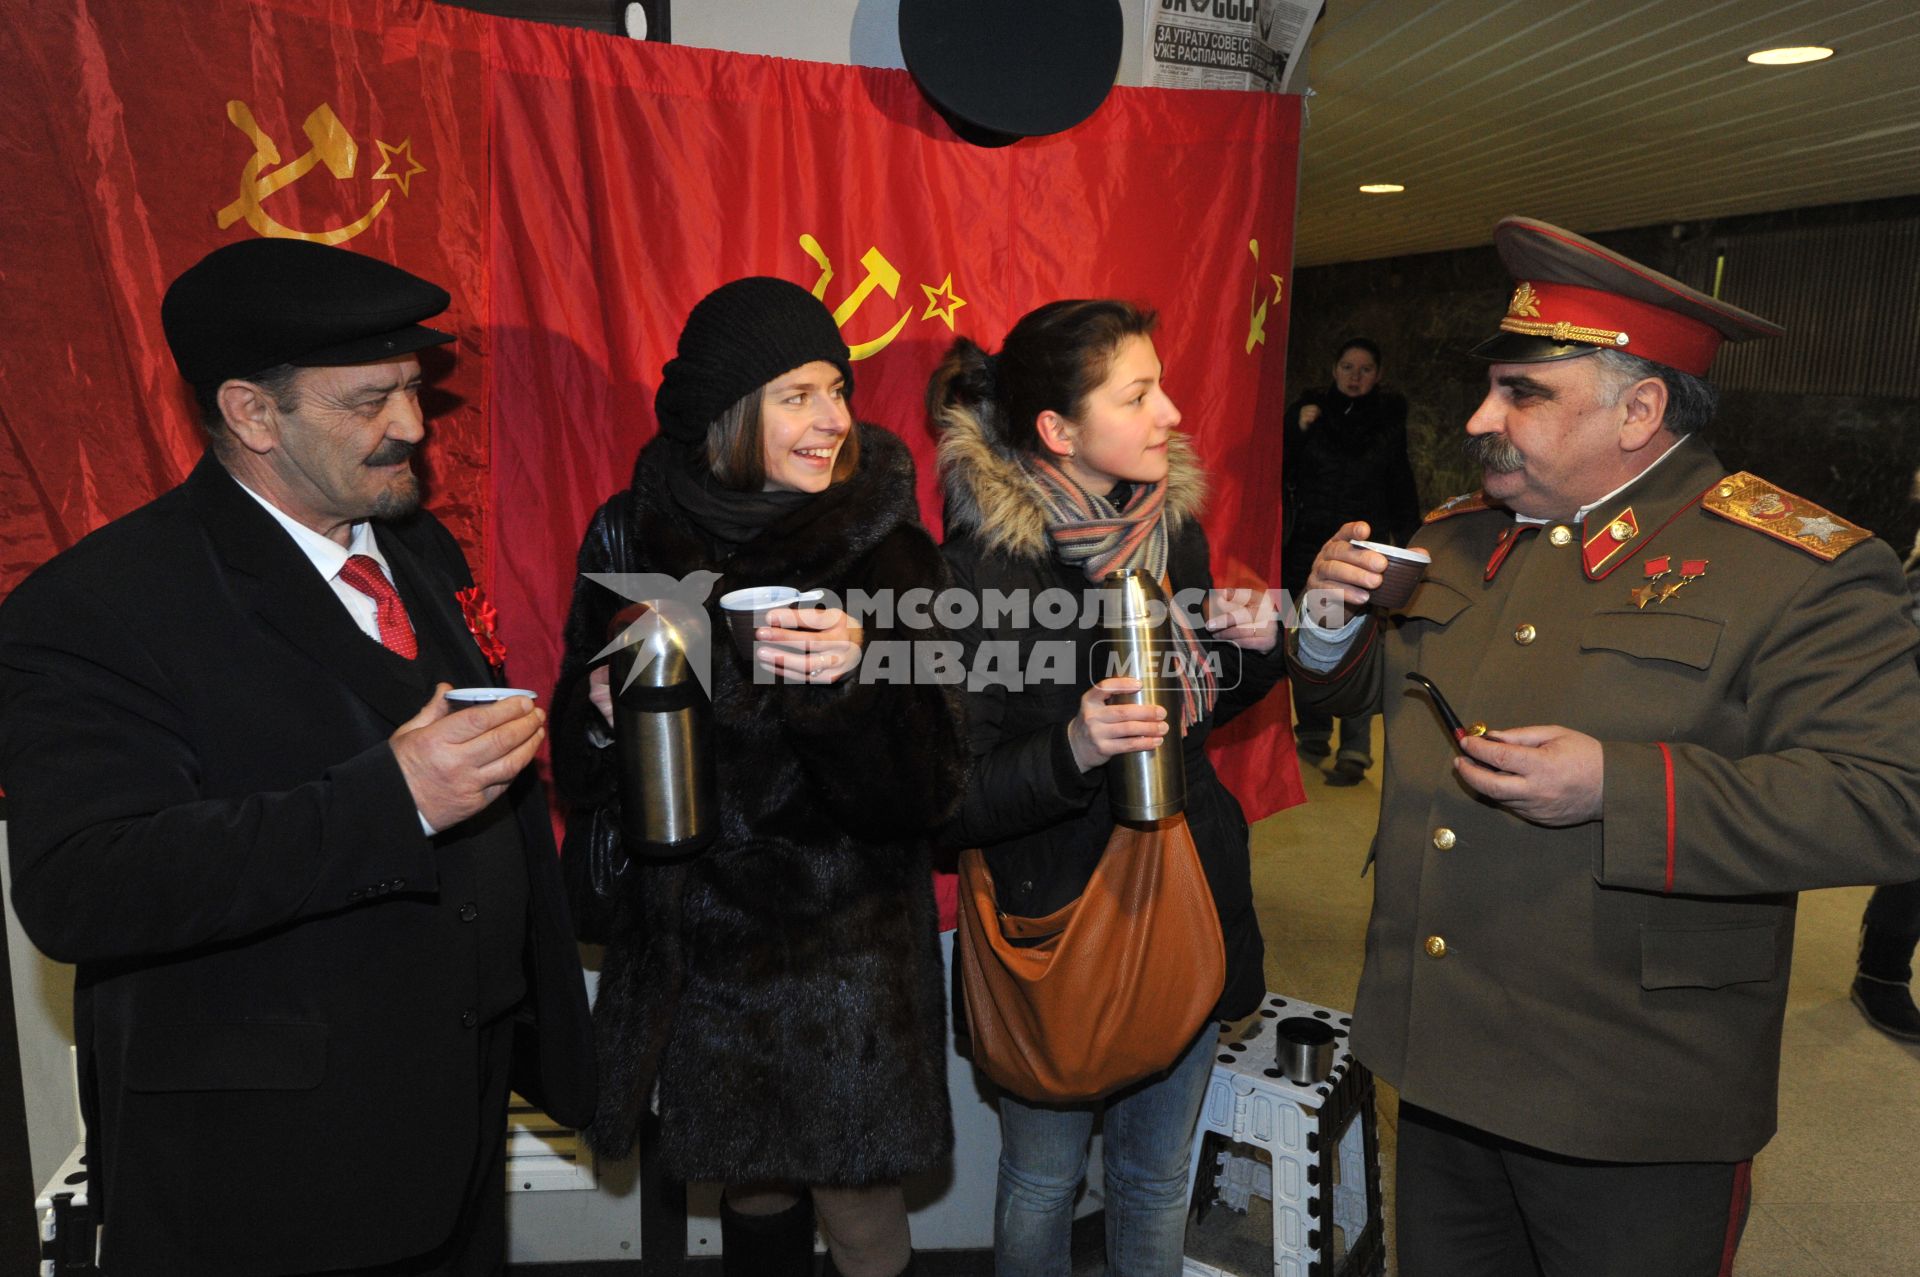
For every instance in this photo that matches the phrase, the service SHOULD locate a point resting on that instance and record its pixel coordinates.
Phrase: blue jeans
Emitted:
(1148, 1144)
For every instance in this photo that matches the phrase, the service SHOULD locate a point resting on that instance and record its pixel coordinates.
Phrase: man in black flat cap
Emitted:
(1702, 692)
(312, 907)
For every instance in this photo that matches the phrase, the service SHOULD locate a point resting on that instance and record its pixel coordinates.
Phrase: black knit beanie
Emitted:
(740, 337)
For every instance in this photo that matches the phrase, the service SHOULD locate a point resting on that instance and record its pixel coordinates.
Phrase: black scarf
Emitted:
(731, 518)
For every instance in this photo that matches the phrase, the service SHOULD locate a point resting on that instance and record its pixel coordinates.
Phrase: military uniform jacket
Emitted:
(1615, 990)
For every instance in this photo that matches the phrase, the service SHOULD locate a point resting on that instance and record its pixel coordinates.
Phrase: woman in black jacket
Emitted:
(783, 987)
(1345, 459)
(1064, 433)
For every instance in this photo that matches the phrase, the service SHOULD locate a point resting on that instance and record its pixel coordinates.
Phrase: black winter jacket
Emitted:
(1040, 822)
(1350, 464)
(783, 985)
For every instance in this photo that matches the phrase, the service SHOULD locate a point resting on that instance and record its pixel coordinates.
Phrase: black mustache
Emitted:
(392, 452)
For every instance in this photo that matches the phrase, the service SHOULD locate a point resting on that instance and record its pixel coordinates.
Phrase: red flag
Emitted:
(630, 180)
(136, 138)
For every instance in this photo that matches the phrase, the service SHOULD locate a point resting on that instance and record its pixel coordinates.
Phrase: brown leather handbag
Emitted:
(1107, 989)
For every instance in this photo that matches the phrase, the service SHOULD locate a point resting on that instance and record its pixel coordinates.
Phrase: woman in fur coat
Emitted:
(1062, 460)
(783, 987)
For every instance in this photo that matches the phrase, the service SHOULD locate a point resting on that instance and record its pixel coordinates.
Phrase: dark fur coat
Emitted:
(784, 986)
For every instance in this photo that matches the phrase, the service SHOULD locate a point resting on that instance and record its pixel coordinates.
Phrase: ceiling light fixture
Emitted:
(1790, 57)
(1382, 188)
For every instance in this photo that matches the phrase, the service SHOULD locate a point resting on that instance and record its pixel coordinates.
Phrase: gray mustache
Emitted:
(1494, 454)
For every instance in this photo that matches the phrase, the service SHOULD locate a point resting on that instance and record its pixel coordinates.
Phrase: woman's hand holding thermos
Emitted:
(1103, 729)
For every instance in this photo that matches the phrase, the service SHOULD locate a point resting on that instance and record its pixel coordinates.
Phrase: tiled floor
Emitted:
(1838, 1189)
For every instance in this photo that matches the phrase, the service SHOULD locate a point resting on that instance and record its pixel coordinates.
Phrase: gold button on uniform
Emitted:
(1562, 535)
(1620, 530)
(1436, 947)
(1443, 838)
(1525, 635)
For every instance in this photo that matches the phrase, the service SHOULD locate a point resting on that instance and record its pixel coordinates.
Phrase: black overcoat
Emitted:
(273, 1000)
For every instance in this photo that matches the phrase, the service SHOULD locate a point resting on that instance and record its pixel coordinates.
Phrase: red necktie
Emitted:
(364, 575)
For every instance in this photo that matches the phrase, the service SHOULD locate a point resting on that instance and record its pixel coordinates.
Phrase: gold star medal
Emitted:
(1691, 570)
(1645, 594)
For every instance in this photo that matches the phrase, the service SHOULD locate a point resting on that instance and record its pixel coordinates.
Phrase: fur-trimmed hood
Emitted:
(989, 494)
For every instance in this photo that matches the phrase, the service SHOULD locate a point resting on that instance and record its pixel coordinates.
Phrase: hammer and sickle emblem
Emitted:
(881, 274)
(331, 146)
(1257, 309)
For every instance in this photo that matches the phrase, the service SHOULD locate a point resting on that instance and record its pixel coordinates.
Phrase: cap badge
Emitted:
(1525, 301)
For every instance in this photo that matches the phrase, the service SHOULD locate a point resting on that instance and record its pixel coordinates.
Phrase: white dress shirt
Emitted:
(328, 557)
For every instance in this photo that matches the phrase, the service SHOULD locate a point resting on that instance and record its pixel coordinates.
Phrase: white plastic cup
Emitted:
(468, 697)
(746, 610)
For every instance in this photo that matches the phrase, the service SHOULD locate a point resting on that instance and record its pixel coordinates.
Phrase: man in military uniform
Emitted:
(1703, 694)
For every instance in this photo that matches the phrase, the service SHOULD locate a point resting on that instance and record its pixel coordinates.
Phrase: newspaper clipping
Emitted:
(1226, 44)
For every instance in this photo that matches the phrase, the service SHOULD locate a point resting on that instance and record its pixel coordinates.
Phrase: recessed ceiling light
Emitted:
(1790, 57)
(1382, 188)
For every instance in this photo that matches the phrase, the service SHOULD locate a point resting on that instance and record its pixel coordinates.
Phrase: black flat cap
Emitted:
(259, 303)
(1001, 70)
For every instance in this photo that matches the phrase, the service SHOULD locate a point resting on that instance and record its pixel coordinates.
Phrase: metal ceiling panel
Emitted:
(1596, 114)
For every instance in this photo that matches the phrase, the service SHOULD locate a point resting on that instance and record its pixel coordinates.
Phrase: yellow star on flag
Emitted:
(388, 154)
(941, 301)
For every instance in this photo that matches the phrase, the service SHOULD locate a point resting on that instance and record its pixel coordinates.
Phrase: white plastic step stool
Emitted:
(67, 1234)
(1322, 1141)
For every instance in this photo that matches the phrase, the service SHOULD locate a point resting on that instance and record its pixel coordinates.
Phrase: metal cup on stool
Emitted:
(1146, 785)
(1303, 1049)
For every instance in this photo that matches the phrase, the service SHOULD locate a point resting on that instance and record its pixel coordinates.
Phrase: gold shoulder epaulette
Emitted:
(1465, 503)
(1753, 502)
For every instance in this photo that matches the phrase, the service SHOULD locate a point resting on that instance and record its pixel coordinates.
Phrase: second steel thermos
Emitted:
(662, 730)
(1152, 784)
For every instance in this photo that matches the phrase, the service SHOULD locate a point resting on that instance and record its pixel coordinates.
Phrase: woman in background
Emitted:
(1345, 459)
(1061, 460)
(784, 986)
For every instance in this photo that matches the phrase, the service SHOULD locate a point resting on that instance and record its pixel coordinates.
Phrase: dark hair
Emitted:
(1360, 343)
(1053, 359)
(1691, 400)
(736, 451)
(278, 381)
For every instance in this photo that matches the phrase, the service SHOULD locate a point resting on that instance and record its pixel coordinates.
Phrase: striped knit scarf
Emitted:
(1091, 533)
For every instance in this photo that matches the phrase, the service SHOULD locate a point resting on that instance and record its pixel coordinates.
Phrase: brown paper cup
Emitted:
(1404, 570)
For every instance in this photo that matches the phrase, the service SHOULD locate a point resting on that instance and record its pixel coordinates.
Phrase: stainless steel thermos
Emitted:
(1150, 785)
(662, 729)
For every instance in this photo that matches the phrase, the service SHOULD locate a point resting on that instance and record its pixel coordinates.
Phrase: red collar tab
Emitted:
(1570, 313)
(1509, 537)
(1609, 542)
